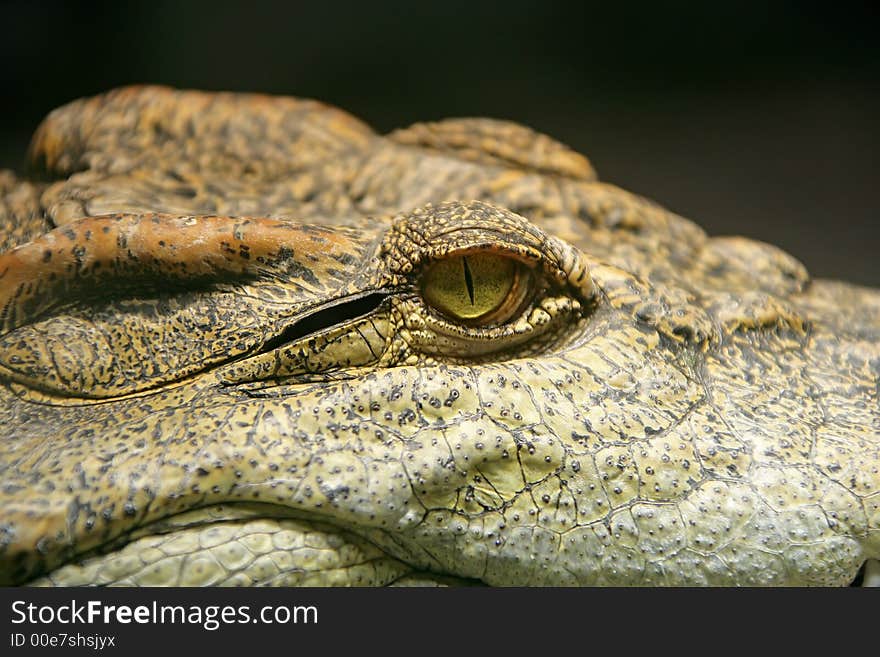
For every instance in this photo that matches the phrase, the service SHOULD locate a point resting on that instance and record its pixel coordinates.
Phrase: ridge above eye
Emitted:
(476, 288)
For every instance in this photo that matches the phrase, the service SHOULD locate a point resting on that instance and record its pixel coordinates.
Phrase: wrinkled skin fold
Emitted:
(230, 354)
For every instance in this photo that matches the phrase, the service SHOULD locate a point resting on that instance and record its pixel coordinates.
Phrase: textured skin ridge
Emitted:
(498, 142)
(218, 366)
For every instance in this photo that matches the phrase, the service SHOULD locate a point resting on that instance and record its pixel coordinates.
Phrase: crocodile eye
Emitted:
(476, 288)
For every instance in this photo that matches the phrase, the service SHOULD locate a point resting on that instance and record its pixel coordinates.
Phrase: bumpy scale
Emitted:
(245, 340)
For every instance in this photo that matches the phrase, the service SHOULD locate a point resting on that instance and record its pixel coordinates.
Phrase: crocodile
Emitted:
(246, 340)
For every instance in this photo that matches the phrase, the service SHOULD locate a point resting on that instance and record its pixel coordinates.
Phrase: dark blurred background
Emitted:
(753, 118)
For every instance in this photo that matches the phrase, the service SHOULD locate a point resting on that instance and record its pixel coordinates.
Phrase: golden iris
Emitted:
(477, 287)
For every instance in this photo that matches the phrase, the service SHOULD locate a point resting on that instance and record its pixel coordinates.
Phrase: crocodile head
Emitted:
(247, 341)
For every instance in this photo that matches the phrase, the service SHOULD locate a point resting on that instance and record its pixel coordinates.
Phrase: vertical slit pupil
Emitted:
(468, 279)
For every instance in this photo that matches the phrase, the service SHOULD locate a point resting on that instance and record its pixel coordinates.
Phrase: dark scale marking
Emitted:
(692, 407)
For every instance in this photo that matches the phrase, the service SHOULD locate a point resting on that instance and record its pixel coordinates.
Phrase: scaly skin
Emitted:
(218, 365)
